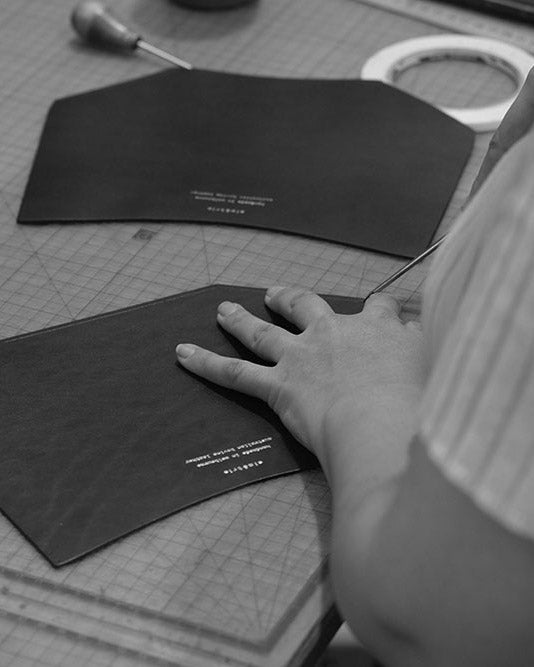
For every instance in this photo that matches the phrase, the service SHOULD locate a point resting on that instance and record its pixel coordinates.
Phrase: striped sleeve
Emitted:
(478, 411)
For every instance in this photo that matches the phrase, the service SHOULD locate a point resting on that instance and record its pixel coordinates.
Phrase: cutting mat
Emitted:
(241, 578)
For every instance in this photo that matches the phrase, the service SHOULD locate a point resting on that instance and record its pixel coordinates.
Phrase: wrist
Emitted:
(366, 437)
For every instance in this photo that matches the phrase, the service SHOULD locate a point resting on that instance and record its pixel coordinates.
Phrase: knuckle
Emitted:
(260, 335)
(199, 359)
(297, 299)
(233, 371)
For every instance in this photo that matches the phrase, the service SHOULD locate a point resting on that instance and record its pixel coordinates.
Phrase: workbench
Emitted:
(241, 579)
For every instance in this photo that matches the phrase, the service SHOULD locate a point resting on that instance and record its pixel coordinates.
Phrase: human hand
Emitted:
(518, 121)
(335, 360)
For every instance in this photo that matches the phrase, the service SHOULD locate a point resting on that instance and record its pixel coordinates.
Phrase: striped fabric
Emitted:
(477, 418)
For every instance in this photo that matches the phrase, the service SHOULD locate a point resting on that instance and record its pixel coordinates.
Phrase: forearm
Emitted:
(366, 448)
(421, 574)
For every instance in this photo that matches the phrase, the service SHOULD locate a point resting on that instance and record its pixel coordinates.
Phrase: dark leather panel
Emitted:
(355, 162)
(97, 422)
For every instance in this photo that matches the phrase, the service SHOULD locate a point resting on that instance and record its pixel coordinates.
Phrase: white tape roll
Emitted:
(387, 64)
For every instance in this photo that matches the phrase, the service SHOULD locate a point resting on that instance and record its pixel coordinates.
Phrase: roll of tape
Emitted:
(388, 63)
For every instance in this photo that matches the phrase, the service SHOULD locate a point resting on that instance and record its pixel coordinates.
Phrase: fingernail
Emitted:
(183, 351)
(272, 291)
(226, 308)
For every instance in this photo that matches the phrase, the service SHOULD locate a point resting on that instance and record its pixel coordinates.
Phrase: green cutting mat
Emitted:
(242, 577)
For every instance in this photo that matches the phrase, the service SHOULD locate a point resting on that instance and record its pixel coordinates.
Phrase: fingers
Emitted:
(517, 122)
(263, 338)
(237, 374)
(381, 305)
(302, 307)
(297, 305)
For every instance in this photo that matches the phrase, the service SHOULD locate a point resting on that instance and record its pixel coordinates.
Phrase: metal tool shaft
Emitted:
(97, 25)
(406, 268)
(159, 53)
